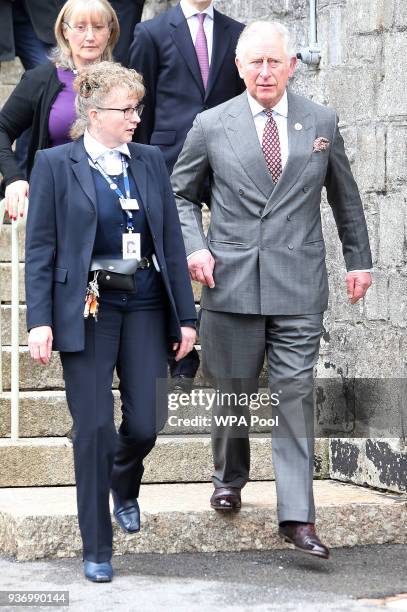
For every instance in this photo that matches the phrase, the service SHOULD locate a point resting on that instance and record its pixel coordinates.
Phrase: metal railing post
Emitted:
(15, 322)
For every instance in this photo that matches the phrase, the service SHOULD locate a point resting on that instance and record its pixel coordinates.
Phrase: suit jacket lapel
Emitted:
(139, 173)
(221, 41)
(301, 135)
(242, 135)
(181, 36)
(82, 171)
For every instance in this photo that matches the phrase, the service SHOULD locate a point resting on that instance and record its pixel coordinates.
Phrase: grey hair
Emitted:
(95, 82)
(262, 30)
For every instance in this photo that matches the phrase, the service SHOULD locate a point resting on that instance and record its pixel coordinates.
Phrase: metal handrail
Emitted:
(15, 322)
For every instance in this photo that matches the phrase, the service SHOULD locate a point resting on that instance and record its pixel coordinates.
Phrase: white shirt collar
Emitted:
(96, 149)
(281, 108)
(190, 11)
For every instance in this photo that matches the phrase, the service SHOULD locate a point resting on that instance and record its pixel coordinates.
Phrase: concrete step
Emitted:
(46, 414)
(42, 522)
(38, 462)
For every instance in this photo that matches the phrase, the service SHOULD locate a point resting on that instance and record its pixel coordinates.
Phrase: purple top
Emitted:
(62, 113)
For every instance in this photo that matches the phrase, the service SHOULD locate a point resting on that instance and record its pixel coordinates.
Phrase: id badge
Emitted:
(129, 204)
(131, 246)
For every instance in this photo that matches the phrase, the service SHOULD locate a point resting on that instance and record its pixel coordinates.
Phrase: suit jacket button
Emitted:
(288, 217)
(241, 192)
(290, 246)
(305, 189)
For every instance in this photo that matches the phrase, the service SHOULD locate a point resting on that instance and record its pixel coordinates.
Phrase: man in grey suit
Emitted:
(269, 153)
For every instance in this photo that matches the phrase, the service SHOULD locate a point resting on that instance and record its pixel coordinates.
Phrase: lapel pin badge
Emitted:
(298, 127)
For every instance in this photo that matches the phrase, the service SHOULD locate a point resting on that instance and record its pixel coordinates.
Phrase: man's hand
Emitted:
(15, 196)
(201, 267)
(187, 343)
(357, 283)
(40, 343)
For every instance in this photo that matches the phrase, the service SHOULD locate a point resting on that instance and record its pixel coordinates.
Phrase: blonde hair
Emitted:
(94, 84)
(62, 54)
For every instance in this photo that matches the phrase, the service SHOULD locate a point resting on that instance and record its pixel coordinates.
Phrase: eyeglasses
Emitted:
(128, 112)
(81, 28)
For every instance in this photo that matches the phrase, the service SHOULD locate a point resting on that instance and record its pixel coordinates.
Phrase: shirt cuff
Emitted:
(198, 251)
(371, 270)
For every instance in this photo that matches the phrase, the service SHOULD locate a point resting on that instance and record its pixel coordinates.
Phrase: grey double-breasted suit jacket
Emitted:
(267, 239)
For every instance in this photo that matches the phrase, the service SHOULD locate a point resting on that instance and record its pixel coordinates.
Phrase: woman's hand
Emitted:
(15, 196)
(40, 343)
(187, 343)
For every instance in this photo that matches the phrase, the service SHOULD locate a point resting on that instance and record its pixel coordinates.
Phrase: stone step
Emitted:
(40, 523)
(5, 282)
(33, 376)
(46, 414)
(49, 462)
(376, 462)
(6, 325)
(5, 243)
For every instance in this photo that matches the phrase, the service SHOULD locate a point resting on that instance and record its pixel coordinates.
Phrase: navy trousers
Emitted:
(136, 344)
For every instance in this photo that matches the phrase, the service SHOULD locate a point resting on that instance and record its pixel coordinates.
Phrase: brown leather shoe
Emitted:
(226, 498)
(304, 538)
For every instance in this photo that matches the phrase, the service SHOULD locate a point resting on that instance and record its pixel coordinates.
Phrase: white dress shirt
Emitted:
(109, 159)
(190, 14)
(280, 113)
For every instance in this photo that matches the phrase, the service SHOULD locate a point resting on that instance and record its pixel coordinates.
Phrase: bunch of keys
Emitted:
(91, 298)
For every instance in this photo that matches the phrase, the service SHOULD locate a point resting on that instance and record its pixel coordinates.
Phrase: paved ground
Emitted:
(259, 581)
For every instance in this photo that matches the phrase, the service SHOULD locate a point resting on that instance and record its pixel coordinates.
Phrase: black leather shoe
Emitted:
(226, 498)
(98, 572)
(126, 513)
(304, 538)
(181, 384)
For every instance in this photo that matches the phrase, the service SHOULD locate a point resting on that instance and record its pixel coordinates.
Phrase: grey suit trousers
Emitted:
(233, 351)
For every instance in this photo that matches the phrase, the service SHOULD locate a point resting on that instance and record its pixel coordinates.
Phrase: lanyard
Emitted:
(117, 190)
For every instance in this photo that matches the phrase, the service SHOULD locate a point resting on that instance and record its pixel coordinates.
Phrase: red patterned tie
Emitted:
(201, 47)
(271, 146)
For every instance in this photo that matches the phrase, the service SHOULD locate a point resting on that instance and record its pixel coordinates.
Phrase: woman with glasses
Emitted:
(86, 32)
(100, 208)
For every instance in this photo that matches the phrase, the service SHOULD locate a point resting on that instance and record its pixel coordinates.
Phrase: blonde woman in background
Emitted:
(86, 32)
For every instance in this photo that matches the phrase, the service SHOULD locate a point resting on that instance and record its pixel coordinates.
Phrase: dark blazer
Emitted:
(42, 15)
(61, 229)
(28, 106)
(129, 14)
(164, 53)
